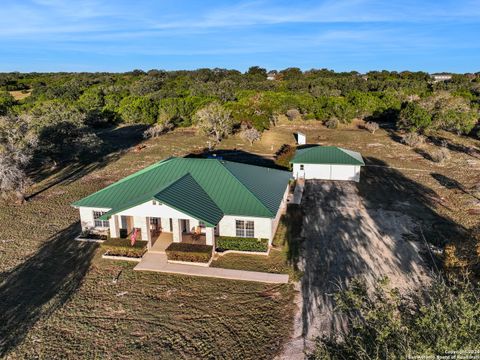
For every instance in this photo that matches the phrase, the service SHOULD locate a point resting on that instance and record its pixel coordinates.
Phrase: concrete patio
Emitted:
(162, 240)
(157, 262)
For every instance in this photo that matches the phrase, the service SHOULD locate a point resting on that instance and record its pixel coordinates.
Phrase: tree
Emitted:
(6, 102)
(372, 126)
(214, 120)
(413, 117)
(451, 113)
(292, 73)
(92, 99)
(257, 73)
(17, 143)
(251, 135)
(384, 324)
(62, 132)
(138, 110)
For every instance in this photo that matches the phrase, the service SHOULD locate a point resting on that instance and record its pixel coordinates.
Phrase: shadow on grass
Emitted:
(455, 147)
(42, 284)
(239, 156)
(116, 141)
(293, 220)
(451, 184)
(423, 153)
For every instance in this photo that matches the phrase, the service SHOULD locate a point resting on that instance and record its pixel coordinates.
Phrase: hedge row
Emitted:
(122, 247)
(189, 252)
(241, 244)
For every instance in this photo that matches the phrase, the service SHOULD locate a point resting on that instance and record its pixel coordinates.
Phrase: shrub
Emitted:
(284, 155)
(440, 155)
(241, 244)
(413, 139)
(372, 126)
(157, 130)
(414, 117)
(90, 233)
(386, 324)
(293, 114)
(189, 252)
(251, 135)
(122, 247)
(332, 123)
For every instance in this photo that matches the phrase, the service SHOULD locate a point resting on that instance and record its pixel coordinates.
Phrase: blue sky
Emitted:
(362, 35)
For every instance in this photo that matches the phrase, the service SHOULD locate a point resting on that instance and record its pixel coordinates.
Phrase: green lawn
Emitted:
(281, 258)
(148, 315)
(60, 299)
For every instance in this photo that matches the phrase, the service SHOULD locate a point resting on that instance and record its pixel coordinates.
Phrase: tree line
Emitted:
(64, 110)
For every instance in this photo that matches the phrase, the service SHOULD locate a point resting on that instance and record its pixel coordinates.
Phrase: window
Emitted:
(301, 167)
(249, 229)
(99, 223)
(201, 224)
(245, 228)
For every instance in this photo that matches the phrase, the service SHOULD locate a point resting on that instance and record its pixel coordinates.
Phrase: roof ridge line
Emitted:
(177, 180)
(347, 152)
(246, 188)
(113, 211)
(129, 177)
(188, 174)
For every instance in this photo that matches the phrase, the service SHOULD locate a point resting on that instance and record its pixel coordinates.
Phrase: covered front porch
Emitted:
(162, 240)
(160, 232)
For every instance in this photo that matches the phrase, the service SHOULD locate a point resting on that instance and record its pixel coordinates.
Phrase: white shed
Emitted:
(301, 138)
(327, 163)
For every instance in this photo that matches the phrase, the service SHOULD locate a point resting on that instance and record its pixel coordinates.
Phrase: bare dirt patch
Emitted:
(344, 238)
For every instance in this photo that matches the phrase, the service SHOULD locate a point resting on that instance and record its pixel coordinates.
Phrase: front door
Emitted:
(301, 172)
(186, 226)
(155, 224)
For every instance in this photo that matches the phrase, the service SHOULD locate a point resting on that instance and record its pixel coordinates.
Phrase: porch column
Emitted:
(166, 225)
(114, 228)
(210, 236)
(177, 230)
(146, 234)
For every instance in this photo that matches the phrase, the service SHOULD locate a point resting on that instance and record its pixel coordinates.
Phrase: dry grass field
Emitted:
(20, 94)
(59, 299)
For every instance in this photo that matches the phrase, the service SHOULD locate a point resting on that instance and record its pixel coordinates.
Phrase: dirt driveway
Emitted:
(343, 237)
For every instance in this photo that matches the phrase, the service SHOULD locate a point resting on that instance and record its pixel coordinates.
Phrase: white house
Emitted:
(328, 163)
(179, 196)
(441, 77)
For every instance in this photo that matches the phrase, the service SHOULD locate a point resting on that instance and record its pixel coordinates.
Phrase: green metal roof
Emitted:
(187, 196)
(205, 189)
(327, 155)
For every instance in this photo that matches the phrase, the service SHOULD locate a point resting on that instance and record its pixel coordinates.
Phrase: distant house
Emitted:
(327, 163)
(272, 75)
(180, 196)
(441, 77)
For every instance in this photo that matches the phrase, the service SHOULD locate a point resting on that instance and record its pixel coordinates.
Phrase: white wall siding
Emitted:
(327, 172)
(280, 212)
(86, 216)
(159, 211)
(263, 226)
(345, 172)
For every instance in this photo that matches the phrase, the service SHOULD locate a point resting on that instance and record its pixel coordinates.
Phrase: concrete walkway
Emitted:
(157, 262)
(298, 192)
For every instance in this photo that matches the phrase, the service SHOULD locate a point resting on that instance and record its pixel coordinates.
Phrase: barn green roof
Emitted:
(327, 155)
(206, 189)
